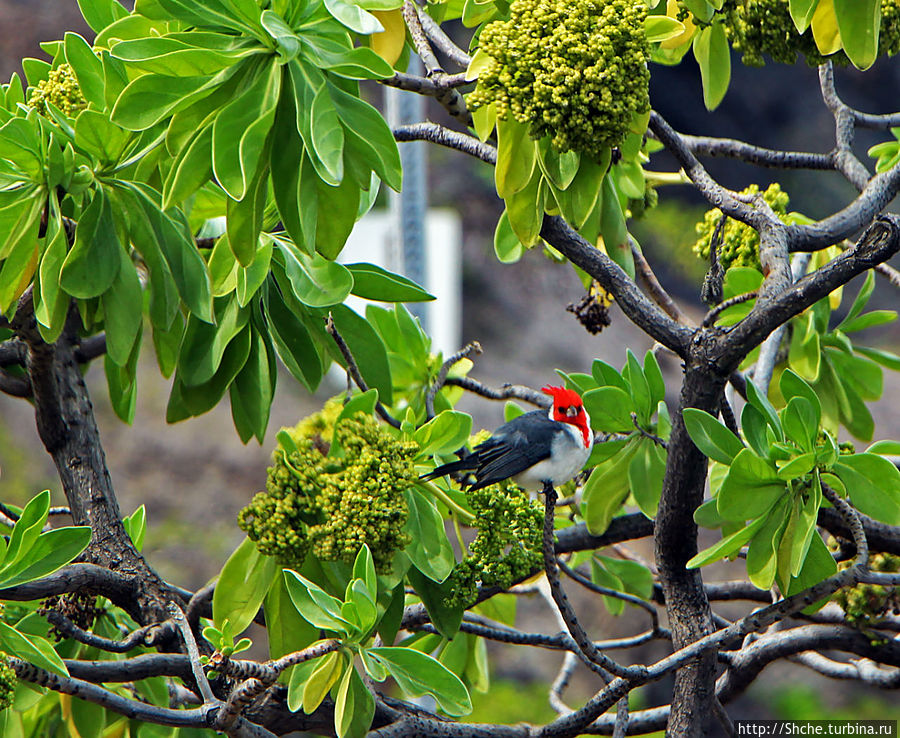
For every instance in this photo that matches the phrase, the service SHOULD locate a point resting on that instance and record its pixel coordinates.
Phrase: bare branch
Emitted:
(147, 636)
(756, 155)
(651, 284)
(845, 161)
(506, 392)
(711, 317)
(585, 645)
(464, 353)
(443, 136)
(441, 40)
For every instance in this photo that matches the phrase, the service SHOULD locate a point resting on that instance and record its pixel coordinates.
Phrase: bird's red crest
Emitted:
(562, 396)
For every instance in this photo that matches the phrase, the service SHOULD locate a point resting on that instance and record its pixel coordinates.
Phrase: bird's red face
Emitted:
(568, 408)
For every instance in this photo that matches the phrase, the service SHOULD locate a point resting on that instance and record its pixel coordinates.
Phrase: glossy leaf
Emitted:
(354, 706)
(610, 409)
(374, 283)
(430, 551)
(859, 22)
(714, 58)
(419, 674)
(710, 436)
(873, 484)
(750, 488)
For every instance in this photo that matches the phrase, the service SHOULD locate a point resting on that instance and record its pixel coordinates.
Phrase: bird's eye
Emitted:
(572, 411)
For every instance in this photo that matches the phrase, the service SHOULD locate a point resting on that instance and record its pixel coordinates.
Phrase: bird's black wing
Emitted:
(509, 452)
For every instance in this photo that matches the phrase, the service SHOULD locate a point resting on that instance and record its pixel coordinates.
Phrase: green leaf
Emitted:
(710, 436)
(292, 340)
(50, 551)
(645, 476)
(355, 18)
(364, 570)
(316, 606)
(446, 618)
(31, 648)
(204, 345)
(419, 674)
(858, 22)
(242, 586)
(885, 358)
(328, 672)
(122, 311)
(281, 33)
(240, 131)
(191, 168)
(750, 488)
(100, 13)
(369, 136)
(792, 385)
(88, 68)
(443, 434)
(136, 526)
(354, 705)
(714, 58)
(729, 545)
(761, 403)
(181, 254)
(430, 551)
(560, 168)
(873, 484)
(610, 409)
(367, 348)
(374, 283)
(802, 13)
(337, 215)
(762, 558)
(316, 281)
(27, 529)
(94, 261)
(515, 157)
(507, 246)
(607, 488)
(800, 422)
(633, 375)
(655, 382)
(286, 629)
(253, 388)
(860, 301)
(150, 98)
(661, 27)
(613, 229)
(870, 320)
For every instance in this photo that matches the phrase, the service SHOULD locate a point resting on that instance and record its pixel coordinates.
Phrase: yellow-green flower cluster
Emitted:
(573, 69)
(866, 604)
(740, 243)
(757, 27)
(508, 544)
(61, 88)
(332, 505)
(7, 682)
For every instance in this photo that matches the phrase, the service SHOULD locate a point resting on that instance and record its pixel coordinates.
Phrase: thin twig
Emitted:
(851, 517)
(585, 645)
(193, 653)
(464, 353)
(353, 370)
(654, 289)
(146, 636)
(714, 312)
(647, 434)
(506, 391)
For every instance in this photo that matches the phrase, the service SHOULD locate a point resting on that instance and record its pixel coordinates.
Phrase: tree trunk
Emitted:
(690, 617)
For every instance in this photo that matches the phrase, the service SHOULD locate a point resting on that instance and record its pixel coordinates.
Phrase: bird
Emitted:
(534, 449)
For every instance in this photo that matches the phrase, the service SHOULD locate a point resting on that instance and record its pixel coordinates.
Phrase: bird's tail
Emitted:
(457, 469)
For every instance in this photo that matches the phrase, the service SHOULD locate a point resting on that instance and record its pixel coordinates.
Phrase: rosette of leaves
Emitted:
(767, 486)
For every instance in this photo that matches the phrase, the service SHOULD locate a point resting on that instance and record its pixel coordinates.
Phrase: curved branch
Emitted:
(879, 243)
(73, 578)
(441, 379)
(642, 311)
(506, 391)
(746, 664)
(757, 155)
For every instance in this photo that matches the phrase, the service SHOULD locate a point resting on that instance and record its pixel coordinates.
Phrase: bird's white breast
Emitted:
(568, 455)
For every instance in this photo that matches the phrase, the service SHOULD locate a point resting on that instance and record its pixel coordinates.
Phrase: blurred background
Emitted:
(195, 476)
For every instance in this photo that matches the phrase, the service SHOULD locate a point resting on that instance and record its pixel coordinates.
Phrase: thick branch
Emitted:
(640, 310)
(879, 243)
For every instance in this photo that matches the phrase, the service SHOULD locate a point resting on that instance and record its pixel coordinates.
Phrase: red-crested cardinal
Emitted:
(533, 449)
